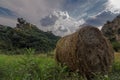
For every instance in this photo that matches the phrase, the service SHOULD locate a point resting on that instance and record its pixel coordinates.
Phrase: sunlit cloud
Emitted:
(115, 3)
(114, 6)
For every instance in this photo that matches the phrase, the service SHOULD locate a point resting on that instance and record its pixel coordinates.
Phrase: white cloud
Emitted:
(115, 3)
(100, 27)
(113, 6)
(64, 25)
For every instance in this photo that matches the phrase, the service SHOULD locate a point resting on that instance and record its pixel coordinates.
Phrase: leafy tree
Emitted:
(26, 35)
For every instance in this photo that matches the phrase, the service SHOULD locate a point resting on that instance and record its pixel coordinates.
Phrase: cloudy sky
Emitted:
(63, 17)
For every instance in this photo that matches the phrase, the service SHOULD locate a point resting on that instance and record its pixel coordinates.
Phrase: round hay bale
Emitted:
(86, 51)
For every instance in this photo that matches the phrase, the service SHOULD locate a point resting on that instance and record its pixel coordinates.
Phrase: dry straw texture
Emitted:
(86, 51)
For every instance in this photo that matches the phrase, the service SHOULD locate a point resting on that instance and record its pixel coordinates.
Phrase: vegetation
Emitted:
(111, 30)
(116, 45)
(43, 67)
(25, 35)
(27, 40)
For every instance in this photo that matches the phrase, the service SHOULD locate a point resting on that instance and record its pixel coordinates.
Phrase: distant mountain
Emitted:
(26, 35)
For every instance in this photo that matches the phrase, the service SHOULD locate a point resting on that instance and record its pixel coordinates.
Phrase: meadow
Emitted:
(44, 67)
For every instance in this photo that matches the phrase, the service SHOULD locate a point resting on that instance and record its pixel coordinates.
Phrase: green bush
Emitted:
(115, 74)
(116, 46)
(28, 68)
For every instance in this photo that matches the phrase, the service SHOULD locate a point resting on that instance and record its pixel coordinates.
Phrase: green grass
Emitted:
(14, 59)
(43, 67)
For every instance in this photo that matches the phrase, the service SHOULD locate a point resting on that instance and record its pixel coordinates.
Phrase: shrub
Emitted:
(28, 68)
(116, 46)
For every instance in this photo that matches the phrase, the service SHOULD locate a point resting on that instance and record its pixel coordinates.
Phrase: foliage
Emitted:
(111, 30)
(25, 35)
(28, 68)
(116, 46)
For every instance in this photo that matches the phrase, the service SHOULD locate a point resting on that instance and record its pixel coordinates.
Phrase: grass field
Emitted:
(42, 67)
(117, 57)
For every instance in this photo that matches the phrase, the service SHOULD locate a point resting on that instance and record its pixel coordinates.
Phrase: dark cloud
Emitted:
(80, 7)
(101, 18)
(49, 20)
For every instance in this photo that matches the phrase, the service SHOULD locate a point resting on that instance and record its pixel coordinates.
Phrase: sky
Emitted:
(62, 17)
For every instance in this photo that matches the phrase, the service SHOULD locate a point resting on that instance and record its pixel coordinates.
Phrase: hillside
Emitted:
(25, 35)
(112, 31)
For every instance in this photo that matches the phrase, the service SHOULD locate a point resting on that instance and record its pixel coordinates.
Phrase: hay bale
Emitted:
(86, 51)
